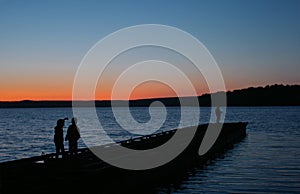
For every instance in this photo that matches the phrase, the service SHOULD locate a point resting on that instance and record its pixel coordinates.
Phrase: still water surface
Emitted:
(266, 161)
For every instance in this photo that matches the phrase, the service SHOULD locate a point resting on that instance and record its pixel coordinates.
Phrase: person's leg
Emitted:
(71, 147)
(57, 151)
(75, 147)
(62, 147)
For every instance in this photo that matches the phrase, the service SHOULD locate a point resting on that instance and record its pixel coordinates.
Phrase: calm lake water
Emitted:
(266, 161)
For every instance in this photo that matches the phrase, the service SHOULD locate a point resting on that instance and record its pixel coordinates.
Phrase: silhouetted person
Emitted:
(218, 114)
(59, 137)
(72, 136)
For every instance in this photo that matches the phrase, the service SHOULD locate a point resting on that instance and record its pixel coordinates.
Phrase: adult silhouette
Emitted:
(59, 137)
(72, 136)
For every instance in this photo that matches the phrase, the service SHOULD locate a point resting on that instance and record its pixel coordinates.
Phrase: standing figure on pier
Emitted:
(72, 136)
(218, 114)
(59, 137)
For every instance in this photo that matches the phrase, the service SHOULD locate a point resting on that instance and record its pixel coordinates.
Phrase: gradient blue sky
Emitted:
(255, 42)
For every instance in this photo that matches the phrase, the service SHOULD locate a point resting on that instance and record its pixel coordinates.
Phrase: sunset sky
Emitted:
(254, 42)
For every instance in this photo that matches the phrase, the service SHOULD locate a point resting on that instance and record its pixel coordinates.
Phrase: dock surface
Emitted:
(85, 171)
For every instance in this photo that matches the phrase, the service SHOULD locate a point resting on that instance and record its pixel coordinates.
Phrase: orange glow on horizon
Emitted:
(36, 94)
(58, 91)
(64, 92)
(152, 89)
(31, 89)
(146, 90)
(143, 91)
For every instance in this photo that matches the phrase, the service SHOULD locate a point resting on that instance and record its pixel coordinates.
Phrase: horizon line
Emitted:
(150, 98)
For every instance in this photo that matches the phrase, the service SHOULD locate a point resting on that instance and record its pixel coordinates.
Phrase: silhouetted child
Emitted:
(72, 136)
(218, 114)
(59, 137)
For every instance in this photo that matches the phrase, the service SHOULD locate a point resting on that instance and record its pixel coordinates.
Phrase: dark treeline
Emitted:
(275, 95)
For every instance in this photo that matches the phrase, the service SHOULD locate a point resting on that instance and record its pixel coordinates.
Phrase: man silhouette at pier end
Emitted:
(218, 114)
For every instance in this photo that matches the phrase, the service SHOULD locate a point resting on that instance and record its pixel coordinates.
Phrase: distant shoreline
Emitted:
(275, 95)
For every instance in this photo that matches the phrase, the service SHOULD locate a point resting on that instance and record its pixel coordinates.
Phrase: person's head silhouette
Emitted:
(74, 121)
(60, 122)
